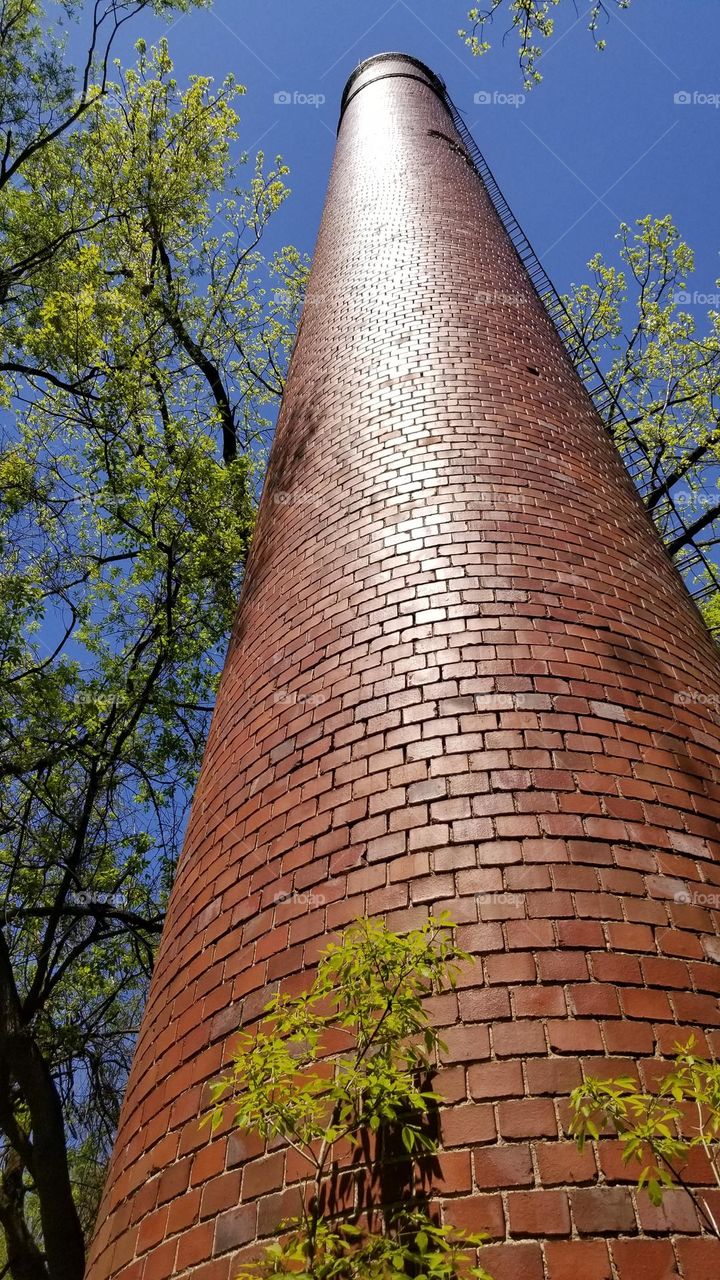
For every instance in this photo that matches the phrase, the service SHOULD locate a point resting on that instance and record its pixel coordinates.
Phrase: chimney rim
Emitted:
(435, 82)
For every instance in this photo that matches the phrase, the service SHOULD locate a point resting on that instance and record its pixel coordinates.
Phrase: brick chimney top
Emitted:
(416, 70)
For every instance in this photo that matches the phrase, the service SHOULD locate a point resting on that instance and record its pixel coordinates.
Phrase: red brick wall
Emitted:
(463, 675)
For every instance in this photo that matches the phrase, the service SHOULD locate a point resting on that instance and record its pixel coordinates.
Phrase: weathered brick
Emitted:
(602, 1211)
(513, 1261)
(538, 1213)
(495, 1080)
(699, 1259)
(644, 1260)
(526, 1118)
(561, 1163)
(497, 1167)
(574, 1259)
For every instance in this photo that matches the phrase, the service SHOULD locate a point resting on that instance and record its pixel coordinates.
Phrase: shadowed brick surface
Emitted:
(463, 675)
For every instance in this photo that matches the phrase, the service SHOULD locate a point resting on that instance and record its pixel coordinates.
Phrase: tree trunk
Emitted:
(46, 1159)
(24, 1259)
(62, 1232)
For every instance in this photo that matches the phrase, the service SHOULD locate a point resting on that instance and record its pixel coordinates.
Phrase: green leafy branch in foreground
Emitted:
(533, 22)
(658, 1130)
(340, 1074)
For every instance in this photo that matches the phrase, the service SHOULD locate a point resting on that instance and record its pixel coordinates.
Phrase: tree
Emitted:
(659, 1129)
(40, 98)
(144, 337)
(664, 380)
(340, 1074)
(531, 21)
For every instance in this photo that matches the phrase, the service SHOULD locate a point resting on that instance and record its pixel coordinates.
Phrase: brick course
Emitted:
(453, 680)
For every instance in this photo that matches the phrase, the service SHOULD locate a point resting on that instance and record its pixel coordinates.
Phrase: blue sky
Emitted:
(600, 141)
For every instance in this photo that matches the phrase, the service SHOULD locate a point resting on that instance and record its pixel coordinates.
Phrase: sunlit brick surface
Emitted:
(463, 675)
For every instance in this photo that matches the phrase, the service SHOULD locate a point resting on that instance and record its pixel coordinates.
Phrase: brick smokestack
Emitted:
(463, 674)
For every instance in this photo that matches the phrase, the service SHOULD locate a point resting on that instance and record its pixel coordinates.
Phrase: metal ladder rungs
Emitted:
(591, 375)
